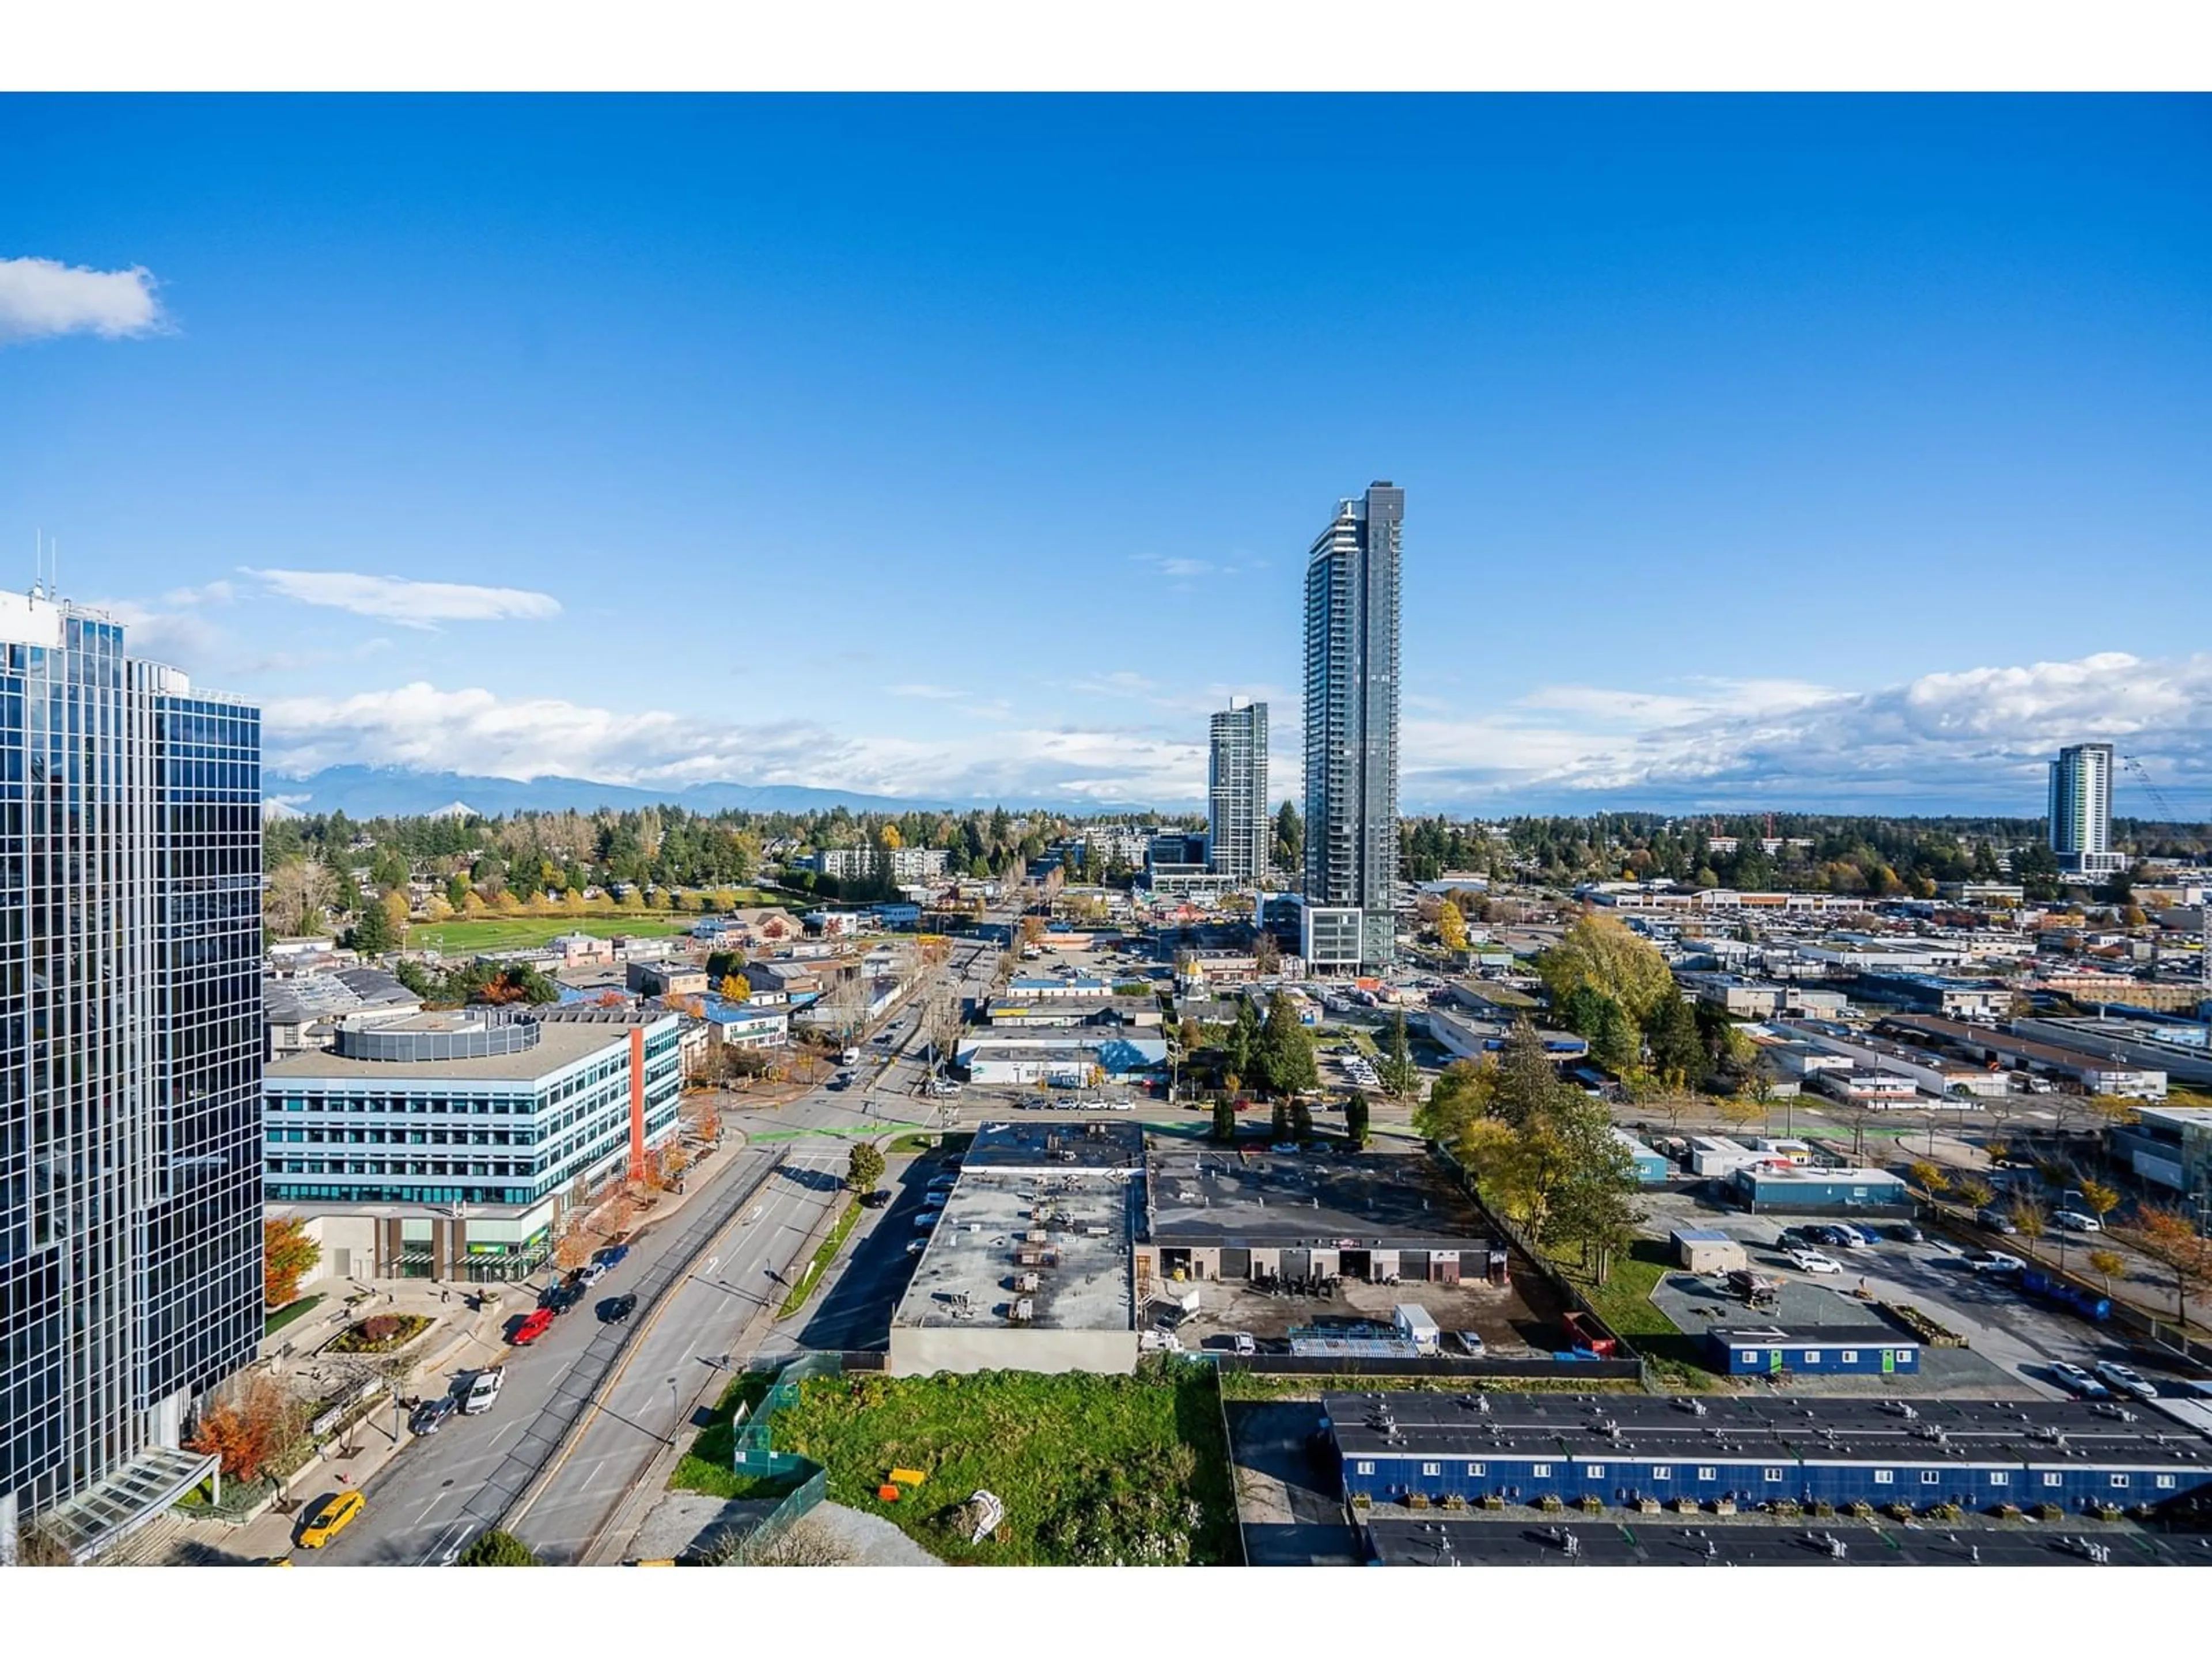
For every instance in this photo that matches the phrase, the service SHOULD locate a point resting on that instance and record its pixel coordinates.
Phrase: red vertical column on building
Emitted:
(636, 1102)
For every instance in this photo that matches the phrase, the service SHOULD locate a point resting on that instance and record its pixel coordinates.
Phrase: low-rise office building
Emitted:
(443, 1145)
(1776, 1185)
(1016, 1013)
(665, 979)
(2170, 1146)
(302, 1012)
(1072, 1058)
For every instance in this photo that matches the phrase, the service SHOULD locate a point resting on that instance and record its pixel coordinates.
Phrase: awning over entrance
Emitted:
(126, 1500)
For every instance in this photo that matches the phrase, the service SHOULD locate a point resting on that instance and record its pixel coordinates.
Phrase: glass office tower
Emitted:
(1352, 734)
(1236, 791)
(129, 1068)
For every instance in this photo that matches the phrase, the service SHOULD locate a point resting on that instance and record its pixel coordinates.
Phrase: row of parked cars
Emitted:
(2109, 1378)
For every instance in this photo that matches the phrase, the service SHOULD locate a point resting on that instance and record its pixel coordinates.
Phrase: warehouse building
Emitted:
(1028, 1266)
(1625, 1450)
(1786, 1188)
(1398, 1539)
(2097, 1074)
(1374, 1217)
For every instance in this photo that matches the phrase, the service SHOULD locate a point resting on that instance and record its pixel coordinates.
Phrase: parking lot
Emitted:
(2011, 1340)
(1519, 1319)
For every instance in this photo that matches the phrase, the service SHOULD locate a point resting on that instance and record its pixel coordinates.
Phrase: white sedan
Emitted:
(1813, 1261)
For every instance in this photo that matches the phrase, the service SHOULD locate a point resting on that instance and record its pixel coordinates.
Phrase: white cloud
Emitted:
(42, 298)
(1978, 737)
(474, 730)
(409, 603)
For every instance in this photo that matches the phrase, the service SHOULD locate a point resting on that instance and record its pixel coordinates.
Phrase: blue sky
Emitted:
(1762, 450)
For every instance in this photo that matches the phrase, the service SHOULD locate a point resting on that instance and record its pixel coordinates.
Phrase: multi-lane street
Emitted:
(584, 1410)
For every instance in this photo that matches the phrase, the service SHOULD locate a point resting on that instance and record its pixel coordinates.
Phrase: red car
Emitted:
(535, 1325)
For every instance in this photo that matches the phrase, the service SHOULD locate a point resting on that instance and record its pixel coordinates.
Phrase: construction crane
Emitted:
(2204, 901)
(2143, 776)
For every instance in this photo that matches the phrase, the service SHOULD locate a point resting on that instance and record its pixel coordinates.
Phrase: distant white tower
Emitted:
(2081, 811)
(1237, 790)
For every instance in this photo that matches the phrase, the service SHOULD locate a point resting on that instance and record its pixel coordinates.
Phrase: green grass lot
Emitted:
(1625, 1302)
(273, 1322)
(1092, 1469)
(530, 933)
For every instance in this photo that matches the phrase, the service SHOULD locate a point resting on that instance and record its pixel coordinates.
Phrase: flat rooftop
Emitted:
(1093, 1144)
(1840, 1427)
(1693, 1540)
(1071, 1229)
(1207, 1197)
(560, 1043)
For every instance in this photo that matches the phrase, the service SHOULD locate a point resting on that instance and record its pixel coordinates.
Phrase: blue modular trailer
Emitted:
(1854, 1350)
(1521, 1450)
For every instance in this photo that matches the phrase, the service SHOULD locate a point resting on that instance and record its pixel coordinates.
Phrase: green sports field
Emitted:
(529, 933)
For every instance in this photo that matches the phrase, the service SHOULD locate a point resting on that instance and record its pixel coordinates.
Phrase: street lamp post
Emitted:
(675, 1409)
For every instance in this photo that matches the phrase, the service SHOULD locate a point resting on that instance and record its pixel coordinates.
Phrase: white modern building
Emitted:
(2081, 811)
(1236, 791)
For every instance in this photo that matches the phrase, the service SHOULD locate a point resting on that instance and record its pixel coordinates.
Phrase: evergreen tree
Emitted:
(1399, 1075)
(373, 932)
(1225, 1119)
(1672, 1032)
(1355, 1119)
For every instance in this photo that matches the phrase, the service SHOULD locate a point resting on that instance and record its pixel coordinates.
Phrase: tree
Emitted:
(255, 1418)
(287, 1256)
(1399, 1075)
(300, 890)
(1672, 1031)
(2100, 1200)
(1286, 1051)
(1451, 928)
(1266, 955)
(864, 1167)
(1739, 1111)
(1355, 1119)
(1289, 849)
(2028, 1216)
(496, 1548)
(1224, 1118)
(1599, 950)
(1279, 1127)
(457, 893)
(1458, 1097)
(1975, 1191)
(1929, 1177)
(373, 934)
(2168, 1237)
(1240, 1047)
(1601, 1019)
(2108, 1264)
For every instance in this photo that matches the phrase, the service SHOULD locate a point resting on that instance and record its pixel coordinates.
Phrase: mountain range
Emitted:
(374, 792)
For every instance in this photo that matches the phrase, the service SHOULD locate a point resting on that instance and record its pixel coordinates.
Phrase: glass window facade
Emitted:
(129, 1050)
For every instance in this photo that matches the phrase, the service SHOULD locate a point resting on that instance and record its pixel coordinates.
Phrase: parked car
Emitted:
(483, 1391)
(331, 1517)
(1905, 1233)
(876, 1200)
(430, 1416)
(1996, 1220)
(1994, 1262)
(1813, 1261)
(1470, 1342)
(591, 1274)
(2075, 1221)
(533, 1326)
(617, 1309)
(1851, 1238)
(2125, 1379)
(2078, 1381)
(1243, 1343)
(613, 1256)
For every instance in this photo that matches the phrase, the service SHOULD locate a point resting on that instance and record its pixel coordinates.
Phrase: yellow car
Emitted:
(337, 1514)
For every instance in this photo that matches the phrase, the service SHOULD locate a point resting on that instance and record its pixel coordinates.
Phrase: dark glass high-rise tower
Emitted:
(1352, 733)
(129, 1068)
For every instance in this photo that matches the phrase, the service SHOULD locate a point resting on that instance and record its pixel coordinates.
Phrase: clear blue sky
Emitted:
(1767, 450)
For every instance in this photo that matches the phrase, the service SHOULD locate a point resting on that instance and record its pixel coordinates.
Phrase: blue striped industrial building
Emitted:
(1623, 1449)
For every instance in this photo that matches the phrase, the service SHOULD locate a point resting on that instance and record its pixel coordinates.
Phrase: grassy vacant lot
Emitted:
(1625, 1302)
(529, 933)
(1093, 1470)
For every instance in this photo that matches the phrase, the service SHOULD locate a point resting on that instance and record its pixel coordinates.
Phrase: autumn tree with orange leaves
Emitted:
(287, 1256)
(249, 1424)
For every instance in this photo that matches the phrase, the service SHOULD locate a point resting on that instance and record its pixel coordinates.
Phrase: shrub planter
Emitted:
(1592, 1505)
(2049, 1512)
(1724, 1506)
(1415, 1500)
(1492, 1501)
(1550, 1504)
(379, 1333)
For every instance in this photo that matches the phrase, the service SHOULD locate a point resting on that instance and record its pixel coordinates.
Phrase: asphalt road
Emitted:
(429, 1500)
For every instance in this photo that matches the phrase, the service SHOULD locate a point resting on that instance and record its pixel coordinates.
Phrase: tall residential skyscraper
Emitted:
(2081, 809)
(1352, 733)
(1237, 790)
(129, 1071)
